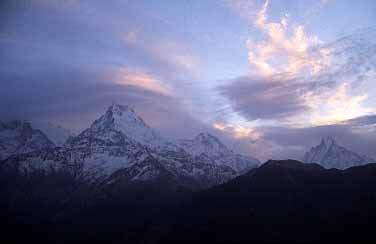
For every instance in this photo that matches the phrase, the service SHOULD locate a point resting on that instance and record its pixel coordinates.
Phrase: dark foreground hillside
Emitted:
(279, 202)
(285, 201)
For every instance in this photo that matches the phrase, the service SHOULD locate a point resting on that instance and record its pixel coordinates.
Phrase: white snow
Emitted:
(120, 139)
(331, 155)
(124, 119)
(211, 146)
(19, 137)
(56, 133)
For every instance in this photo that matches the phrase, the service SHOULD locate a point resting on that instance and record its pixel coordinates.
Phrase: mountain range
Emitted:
(120, 140)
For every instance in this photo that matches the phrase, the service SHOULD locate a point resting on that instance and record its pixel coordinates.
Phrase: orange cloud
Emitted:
(238, 132)
(126, 77)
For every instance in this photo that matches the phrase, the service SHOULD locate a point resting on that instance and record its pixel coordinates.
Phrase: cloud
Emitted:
(75, 96)
(314, 10)
(238, 132)
(362, 121)
(173, 52)
(246, 8)
(296, 69)
(306, 82)
(316, 101)
(93, 32)
(284, 46)
(339, 107)
(67, 61)
(140, 79)
(285, 49)
(257, 99)
(132, 36)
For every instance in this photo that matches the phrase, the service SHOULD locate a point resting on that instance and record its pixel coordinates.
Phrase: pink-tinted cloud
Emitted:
(238, 131)
(146, 81)
(339, 106)
(286, 48)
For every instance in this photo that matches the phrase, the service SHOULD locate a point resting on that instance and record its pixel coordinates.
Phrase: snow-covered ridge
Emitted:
(121, 140)
(56, 133)
(204, 143)
(19, 137)
(211, 146)
(331, 155)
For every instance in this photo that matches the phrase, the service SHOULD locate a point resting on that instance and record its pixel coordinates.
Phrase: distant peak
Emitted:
(332, 155)
(119, 113)
(328, 141)
(124, 113)
(119, 108)
(205, 136)
(123, 118)
(24, 124)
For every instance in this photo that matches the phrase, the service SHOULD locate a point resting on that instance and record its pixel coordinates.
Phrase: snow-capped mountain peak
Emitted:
(124, 119)
(207, 137)
(211, 146)
(205, 143)
(331, 155)
(125, 114)
(328, 141)
(120, 116)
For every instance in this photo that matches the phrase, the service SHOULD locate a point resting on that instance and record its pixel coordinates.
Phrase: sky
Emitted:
(270, 78)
